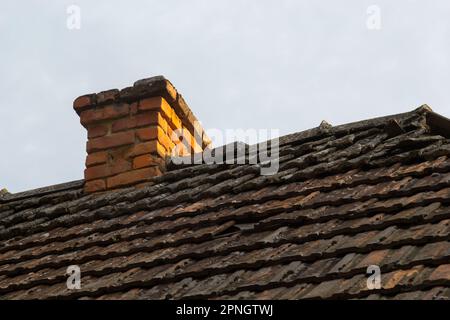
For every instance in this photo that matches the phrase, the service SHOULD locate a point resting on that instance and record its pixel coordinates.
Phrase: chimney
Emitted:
(132, 131)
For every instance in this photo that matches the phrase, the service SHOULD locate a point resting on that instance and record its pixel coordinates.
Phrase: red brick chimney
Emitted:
(132, 131)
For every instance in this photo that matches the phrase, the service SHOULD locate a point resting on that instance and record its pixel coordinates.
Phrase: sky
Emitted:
(255, 64)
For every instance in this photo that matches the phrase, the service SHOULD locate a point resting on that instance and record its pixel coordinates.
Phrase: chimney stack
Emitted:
(132, 131)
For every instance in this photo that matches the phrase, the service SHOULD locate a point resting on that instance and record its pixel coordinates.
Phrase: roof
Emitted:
(375, 192)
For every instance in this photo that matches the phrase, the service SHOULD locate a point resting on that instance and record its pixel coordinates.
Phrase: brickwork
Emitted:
(132, 131)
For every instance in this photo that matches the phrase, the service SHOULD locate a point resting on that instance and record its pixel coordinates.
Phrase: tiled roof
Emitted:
(375, 192)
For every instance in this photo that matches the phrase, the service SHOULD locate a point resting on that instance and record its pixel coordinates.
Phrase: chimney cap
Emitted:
(144, 88)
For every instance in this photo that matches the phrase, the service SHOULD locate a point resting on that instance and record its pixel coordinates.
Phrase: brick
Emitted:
(172, 92)
(119, 166)
(96, 158)
(94, 186)
(166, 109)
(87, 117)
(166, 142)
(105, 170)
(143, 148)
(123, 124)
(132, 177)
(97, 131)
(163, 124)
(104, 113)
(115, 111)
(140, 120)
(96, 172)
(154, 133)
(151, 133)
(176, 121)
(150, 147)
(183, 107)
(146, 160)
(153, 103)
(119, 153)
(133, 108)
(157, 104)
(83, 102)
(111, 141)
(161, 150)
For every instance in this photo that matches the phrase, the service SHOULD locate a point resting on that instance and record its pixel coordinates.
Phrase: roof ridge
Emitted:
(437, 122)
(394, 123)
(325, 127)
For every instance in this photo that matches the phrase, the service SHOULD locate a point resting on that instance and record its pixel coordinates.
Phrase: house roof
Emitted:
(375, 192)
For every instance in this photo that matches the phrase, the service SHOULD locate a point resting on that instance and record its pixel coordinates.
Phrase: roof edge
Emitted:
(41, 191)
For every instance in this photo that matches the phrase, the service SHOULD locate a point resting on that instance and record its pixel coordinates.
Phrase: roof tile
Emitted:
(369, 193)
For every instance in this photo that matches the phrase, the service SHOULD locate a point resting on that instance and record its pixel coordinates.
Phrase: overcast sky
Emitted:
(274, 64)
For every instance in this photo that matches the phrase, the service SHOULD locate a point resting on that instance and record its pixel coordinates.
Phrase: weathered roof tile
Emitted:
(374, 192)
